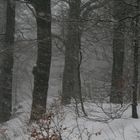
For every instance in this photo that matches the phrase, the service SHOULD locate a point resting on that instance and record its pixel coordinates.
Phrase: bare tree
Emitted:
(119, 12)
(78, 14)
(42, 69)
(71, 82)
(136, 60)
(7, 30)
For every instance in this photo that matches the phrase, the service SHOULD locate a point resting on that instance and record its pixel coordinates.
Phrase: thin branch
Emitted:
(92, 7)
(87, 4)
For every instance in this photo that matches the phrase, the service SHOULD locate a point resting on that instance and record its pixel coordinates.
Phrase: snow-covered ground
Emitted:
(16, 127)
(102, 125)
(104, 122)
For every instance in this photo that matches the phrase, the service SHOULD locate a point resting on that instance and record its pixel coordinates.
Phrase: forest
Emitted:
(69, 69)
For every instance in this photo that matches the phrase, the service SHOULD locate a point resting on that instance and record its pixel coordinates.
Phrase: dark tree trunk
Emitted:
(6, 65)
(71, 82)
(42, 69)
(118, 53)
(136, 61)
(135, 80)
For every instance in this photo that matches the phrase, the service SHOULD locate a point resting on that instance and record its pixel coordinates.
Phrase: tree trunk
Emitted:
(71, 82)
(6, 56)
(136, 61)
(42, 69)
(118, 53)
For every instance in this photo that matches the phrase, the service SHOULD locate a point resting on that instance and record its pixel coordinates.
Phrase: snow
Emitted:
(16, 127)
(97, 126)
(124, 128)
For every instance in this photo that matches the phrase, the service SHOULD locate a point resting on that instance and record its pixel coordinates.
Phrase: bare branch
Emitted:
(92, 7)
(87, 4)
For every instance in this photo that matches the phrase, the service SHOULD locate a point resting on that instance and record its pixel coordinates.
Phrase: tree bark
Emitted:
(136, 62)
(6, 62)
(71, 82)
(116, 95)
(42, 69)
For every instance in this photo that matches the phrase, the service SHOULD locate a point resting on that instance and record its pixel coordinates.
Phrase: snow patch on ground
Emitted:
(16, 127)
(97, 126)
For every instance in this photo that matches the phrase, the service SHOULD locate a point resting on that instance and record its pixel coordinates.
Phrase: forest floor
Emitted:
(104, 122)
